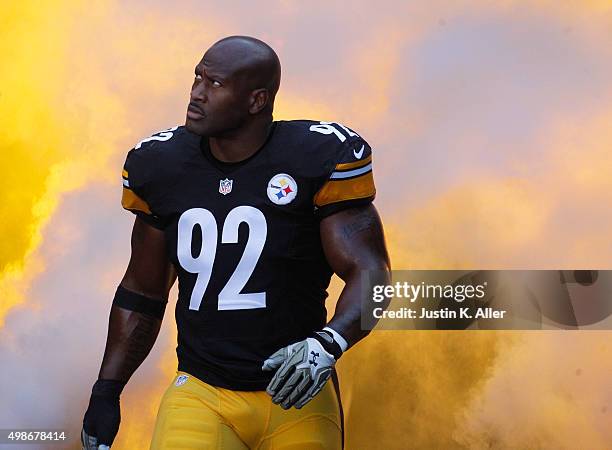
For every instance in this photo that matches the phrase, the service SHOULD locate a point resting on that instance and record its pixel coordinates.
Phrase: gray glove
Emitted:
(302, 369)
(91, 443)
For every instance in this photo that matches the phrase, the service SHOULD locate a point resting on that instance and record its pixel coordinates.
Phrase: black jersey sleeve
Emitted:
(139, 172)
(351, 181)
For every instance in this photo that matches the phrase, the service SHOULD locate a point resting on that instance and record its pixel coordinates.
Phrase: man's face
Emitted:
(218, 102)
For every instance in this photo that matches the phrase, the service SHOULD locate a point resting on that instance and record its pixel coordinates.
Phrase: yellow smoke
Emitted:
(32, 135)
(549, 390)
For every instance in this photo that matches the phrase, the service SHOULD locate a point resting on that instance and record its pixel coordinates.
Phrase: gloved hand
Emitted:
(302, 369)
(102, 418)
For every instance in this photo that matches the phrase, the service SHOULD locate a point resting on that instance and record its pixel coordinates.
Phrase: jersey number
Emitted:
(329, 128)
(162, 136)
(230, 297)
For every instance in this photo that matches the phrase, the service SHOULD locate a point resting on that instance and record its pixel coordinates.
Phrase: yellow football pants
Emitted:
(195, 415)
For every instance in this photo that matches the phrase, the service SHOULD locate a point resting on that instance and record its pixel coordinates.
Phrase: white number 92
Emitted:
(230, 297)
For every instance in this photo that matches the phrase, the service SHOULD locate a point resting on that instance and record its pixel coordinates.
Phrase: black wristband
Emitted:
(139, 303)
(108, 388)
(328, 343)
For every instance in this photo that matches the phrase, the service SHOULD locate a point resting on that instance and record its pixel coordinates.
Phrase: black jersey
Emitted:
(244, 238)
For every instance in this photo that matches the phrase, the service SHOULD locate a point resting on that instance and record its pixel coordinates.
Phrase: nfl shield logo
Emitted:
(181, 380)
(225, 186)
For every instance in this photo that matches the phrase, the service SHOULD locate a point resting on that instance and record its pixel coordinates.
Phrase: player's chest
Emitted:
(275, 190)
(260, 211)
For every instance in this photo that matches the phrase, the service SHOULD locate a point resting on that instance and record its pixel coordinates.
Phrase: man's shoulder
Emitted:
(322, 142)
(159, 155)
(319, 137)
(165, 142)
(318, 128)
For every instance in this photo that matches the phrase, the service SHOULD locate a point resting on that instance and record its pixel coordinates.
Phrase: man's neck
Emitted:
(241, 145)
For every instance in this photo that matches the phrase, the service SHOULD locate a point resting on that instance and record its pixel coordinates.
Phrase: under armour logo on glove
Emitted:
(314, 358)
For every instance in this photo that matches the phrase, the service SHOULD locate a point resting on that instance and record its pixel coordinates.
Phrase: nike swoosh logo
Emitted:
(358, 154)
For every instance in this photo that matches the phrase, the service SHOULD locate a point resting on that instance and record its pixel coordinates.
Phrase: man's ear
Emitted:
(258, 100)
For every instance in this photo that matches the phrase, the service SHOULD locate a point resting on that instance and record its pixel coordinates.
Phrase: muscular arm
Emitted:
(131, 334)
(353, 241)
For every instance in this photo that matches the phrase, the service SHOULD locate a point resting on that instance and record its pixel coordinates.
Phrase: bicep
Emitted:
(353, 240)
(149, 271)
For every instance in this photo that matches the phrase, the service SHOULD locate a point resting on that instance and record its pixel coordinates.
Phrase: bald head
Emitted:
(234, 87)
(246, 58)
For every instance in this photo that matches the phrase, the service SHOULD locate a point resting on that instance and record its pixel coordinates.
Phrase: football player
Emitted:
(253, 216)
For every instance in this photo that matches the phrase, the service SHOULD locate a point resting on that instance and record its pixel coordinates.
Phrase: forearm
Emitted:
(354, 244)
(134, 323)
(131, 336)
(347, 316)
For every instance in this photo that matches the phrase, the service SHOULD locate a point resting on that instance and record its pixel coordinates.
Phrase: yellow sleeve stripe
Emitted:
(353, 165)
(341, 190)
(131, 201)
(124, 173)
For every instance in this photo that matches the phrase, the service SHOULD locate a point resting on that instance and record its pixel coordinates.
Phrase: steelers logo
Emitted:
(282, 189)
